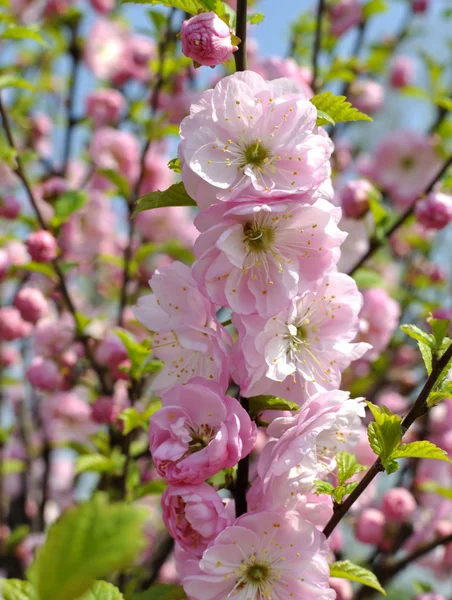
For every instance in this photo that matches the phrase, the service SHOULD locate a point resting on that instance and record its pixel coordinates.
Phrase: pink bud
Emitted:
(344, 15)
(367, 95)
(402, 71)
(105, 106)
(435, 211)
(12, 326)
(398, 505)
(8, 356)
(44, 374)
(4, 263)
(443, 313)
(31, 304)
(53, 188)
(355, 198)
(206, 39)
(104, 411)
(103, 6)
(370, 526)
(9, 207)
(342, 587)
(419, 6)
(42, 246)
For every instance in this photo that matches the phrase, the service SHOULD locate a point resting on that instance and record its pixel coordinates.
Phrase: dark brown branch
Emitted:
(240, 30)
(317, 45)
(242, 479)
(417, 410)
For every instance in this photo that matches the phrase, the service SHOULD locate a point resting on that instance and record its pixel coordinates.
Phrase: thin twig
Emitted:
(376, 244)
(417, 410)
(317, 45)
(240, 29)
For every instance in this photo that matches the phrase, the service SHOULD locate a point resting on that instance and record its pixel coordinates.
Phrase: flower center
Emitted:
(257, 574)
(407, 163)
(200, 438)
(258, 239)
(302, 332)
(255, 154)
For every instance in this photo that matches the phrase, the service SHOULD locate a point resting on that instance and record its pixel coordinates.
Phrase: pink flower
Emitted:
(105, 48)
(17, 253)
(435, 211)
(275, 67)
(420, 6)
(194, 515)
(53, 336)
(8, 356)
(115, 149)
(167, 223)
(379, 318)
(404, 164)
(42, 246)
(138, 52)
(31, 304)
(188, 337)
(41, 132)
(4, 263)
(252, 257)
(370, 526)
(12, 325)
(105, 410)
(304, 348)
(305, 447)
(344, 15)
(111, 351)
(262, 555)
(198, 432)
(367, 95)
(53, 187)
(9, 207)
(103, 6)
(105, 106)
(402, 72)
(206, 39)
(44, 374)
(398, 505)
(249, 137)
(394, 401)
(355, 197)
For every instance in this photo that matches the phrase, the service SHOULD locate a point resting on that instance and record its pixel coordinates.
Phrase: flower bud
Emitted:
(435, 211)
(105, 411)
(344, 15)
(206, 39)
(103, 6)
(44, 374)
(419, 6)
(402, 72)
(367, 95)
(53, 188)
(9, 207)
(12, 326)
(355, 198)
(105, 106)
(370, 526)
(398, 505)
(31, 304)
(42, 246)
(8, 356)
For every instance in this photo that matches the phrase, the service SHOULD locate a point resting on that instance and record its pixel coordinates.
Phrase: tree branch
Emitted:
(317, 45)
(240, 30)
(74, 51)
(418, 409)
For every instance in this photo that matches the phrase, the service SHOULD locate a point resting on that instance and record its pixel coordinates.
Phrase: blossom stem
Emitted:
(240, 30)
(317, 45)
(376, 244)
(418, 409)
(20, 172)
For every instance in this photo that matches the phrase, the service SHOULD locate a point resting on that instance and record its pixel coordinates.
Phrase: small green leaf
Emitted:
(67, 204)
(337, 108)
(102, 590)
(323, 487)
(42, 268)
(11, 466)
(15, 589)
(345, 569)
(368, 278)
(173, 196)
(99, 464)
(87, 542)
(385, 435)
(422, 449)
(347, 466)
(374, 7)
(133, 419)
(324, 118)
(174, 165)
(379, 212)
(417, 334)
(427, 356)
(8, 81)
(136, 351)
(118, 180)
(256, 18)
(22, 32)
(435, 488)
(264, 402)
(17, 536)
(440, 327)
(162, 591)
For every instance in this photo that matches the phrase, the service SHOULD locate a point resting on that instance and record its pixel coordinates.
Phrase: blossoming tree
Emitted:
(226, 433)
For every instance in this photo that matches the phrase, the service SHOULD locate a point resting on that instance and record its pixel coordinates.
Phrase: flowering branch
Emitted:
(418, 409)
(376, 244)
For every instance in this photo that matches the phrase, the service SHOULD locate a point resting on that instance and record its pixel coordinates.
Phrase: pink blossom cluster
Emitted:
(257, 165)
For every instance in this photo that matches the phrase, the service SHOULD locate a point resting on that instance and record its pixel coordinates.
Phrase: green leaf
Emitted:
(15, 589)
(42, 268)
(173, 196)
(118, 180)
(67, 204)
(137, 352)
(264, 402)
(427, 356)
(17, 536)
(102, 590)
(385, 435)
(190, 6)
(323, 487)
(368, 278)
(345, 569)
(417, 334)
(162, 592)
(422, 449)
(374, 7)
(256, 18)
(22, 32)
(174, 165)
(8, 81)
(324, 118)
(10, 466)
(337, 108)
(440, 327)
(98, 463)
(151, 488)
(87, 542)
(133, 419)
(347, 466)
(379, 212)
(435, 488)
